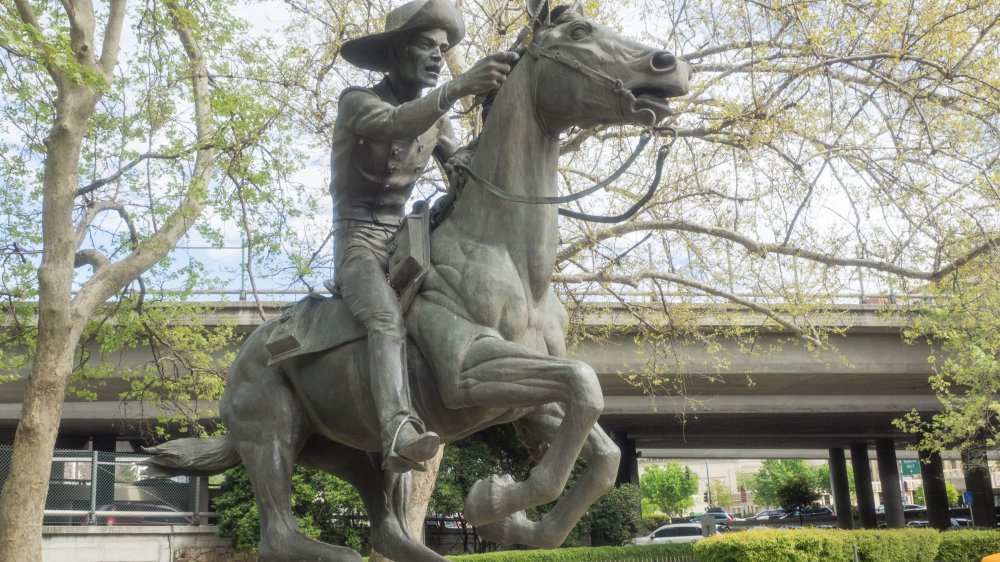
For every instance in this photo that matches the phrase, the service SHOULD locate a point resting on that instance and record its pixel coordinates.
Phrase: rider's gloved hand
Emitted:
(487, 74)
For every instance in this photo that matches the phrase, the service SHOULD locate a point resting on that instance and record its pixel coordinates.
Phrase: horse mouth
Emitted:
(654, 98)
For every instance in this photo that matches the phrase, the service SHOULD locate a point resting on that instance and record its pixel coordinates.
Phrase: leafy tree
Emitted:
(115, 145)
(962, 325)
(670, 487)
(773, 474)
(327, 509)
(616, 518)
(822, 482)
(952, 492)
(796, 493)
(720, 493)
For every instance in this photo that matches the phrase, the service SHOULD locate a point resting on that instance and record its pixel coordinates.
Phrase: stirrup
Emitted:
(396, 462)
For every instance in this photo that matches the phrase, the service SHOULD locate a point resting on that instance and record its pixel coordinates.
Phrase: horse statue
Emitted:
(487, 332)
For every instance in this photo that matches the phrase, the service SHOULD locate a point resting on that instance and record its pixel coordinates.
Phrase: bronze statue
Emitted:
(488, 329)
(382, 142)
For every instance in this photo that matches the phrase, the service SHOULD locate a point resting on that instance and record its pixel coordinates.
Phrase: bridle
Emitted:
(644, 138)
(618, 89)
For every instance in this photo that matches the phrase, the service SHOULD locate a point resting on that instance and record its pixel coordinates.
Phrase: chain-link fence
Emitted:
(98, 488)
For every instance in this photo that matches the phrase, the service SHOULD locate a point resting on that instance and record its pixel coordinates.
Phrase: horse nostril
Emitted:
(663, 60)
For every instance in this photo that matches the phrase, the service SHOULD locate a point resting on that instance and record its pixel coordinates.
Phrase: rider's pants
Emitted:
(361, 257)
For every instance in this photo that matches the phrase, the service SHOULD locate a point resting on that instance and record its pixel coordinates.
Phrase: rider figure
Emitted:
(382, 142)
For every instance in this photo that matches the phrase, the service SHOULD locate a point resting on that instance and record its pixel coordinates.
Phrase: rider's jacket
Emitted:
(380, 148)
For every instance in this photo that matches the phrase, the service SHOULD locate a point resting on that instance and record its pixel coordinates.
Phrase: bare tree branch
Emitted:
(81, 30)
(764, 248)
(93, 258)
(634, 280)
(152, 250)
(122, 171)
(98, 207)
(112, 37)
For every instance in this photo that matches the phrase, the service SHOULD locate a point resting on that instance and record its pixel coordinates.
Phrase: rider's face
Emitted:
(421, 59)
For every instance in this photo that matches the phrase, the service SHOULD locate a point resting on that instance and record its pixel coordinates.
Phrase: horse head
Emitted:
(587, 74)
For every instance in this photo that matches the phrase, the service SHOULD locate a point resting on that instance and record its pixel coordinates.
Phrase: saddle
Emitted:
(315, 323)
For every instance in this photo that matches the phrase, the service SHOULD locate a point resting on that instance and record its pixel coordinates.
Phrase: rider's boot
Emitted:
(405, 442)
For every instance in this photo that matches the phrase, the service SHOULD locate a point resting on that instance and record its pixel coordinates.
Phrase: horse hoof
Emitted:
(482, 505)
(506, 530)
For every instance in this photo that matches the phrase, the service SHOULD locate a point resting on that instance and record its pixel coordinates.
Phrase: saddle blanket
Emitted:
(312, 324)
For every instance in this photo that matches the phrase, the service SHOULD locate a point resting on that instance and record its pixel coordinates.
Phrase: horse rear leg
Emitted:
(502, 372)
(267, 426)
(602, 457)
(386, 496)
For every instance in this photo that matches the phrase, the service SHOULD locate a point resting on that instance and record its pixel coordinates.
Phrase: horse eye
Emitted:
(579, 31)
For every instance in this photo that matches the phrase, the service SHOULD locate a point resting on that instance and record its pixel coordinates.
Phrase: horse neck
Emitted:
(516, 154)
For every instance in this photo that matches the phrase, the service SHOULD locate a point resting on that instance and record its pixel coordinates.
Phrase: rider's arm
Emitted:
(371, 117)
(447, 142)
(368, 116)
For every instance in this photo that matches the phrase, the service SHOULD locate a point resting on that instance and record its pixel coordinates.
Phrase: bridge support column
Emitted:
(863, 485)
(978, 481)
(935, 492)
(628, 469)
(888, 471)
(841, 488)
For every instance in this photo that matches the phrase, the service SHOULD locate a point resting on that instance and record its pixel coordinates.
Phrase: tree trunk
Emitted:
(22, 502)
(61, 317)
(423, 487)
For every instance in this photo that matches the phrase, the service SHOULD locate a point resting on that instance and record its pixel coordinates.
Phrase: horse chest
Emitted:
(496, 297)
(487, 285)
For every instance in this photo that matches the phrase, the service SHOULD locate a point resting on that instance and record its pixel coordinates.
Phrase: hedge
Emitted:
(810, 545)
(800, 545)
(968, 545)
(592, 554)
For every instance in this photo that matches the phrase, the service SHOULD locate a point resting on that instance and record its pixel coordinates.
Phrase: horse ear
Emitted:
(578, 6)
(538, 13)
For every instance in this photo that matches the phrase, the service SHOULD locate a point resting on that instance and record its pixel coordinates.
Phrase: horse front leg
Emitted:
(602, 456)
(499, 372)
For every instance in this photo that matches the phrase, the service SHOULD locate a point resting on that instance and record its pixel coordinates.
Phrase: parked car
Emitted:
(672, 533)
(721, 517)
(146, 513)
(812, 511)
(906, 507)
(767, 515)
(956, 523)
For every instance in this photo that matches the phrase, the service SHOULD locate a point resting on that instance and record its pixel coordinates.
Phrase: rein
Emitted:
(618, 89)
(644, 138)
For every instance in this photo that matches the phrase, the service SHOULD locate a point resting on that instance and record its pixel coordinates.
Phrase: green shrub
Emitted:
(327, 509)
(809, 545)
(615, 517)
(901, 545)
(595, 554)
(968, 545)
(652, 522)
(762, 546)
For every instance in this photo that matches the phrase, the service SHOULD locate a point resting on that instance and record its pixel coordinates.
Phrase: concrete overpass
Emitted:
(762, 390)
(749, 391)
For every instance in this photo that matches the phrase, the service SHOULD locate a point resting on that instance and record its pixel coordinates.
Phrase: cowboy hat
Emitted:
(371, 51)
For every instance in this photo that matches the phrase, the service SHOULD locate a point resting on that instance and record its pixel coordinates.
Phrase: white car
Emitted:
(672, 533)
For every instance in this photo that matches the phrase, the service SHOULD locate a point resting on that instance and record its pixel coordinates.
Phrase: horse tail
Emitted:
(192, 456)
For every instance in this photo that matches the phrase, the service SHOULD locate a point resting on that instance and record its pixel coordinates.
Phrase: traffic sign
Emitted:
(967, 497)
